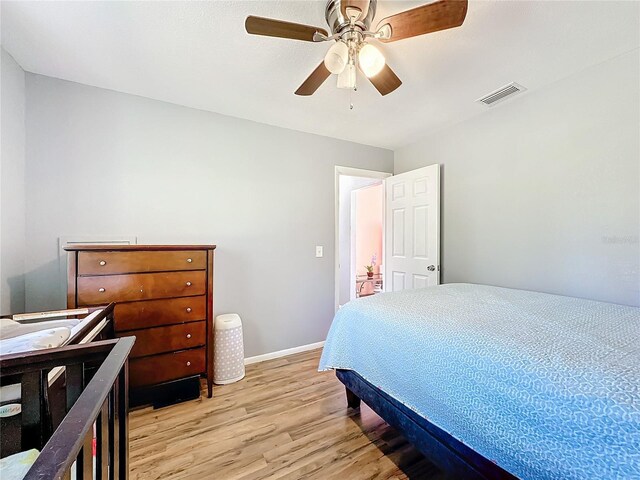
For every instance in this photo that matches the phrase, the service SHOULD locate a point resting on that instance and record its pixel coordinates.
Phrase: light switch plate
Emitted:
(319, 251)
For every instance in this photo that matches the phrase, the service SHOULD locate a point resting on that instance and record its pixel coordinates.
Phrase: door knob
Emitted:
(431, 268)
(189, 260)
(102, 263)
(188, 284)
(101, 290)
(188, 309)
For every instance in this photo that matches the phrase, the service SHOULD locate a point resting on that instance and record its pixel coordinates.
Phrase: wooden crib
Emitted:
(95, 403)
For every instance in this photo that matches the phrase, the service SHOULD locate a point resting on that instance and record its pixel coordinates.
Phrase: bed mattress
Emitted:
(546, 386)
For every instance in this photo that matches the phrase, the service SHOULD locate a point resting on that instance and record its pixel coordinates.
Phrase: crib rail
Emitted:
(101, 400)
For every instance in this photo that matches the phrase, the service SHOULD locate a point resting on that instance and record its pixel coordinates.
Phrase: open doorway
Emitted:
(359, 233)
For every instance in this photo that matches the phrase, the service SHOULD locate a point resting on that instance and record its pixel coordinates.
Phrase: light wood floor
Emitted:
(284, 420)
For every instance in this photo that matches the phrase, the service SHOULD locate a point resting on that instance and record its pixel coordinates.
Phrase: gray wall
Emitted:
(107, 163)
(12, 186)
(542, 192)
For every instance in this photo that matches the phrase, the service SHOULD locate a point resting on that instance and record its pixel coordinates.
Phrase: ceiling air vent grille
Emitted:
(501, 94)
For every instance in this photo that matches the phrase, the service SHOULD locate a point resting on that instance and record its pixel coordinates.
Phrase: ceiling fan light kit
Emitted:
(337, 57)
(350, 22)
(347, 78)
(370, 60)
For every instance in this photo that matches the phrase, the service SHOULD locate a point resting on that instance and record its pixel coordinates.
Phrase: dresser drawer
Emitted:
(109, 263)
(151, 341)
(155, 313)
(100, 290)
(166, 366)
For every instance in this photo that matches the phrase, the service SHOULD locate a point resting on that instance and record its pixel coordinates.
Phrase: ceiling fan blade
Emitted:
(386, 81)
(279, 28)
(361, 5)
(432, 17)
(313, 81)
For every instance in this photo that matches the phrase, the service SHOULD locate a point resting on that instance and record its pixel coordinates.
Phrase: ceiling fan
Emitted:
(350, 22)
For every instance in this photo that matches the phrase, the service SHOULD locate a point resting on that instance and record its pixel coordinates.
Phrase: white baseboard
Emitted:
(282, 353)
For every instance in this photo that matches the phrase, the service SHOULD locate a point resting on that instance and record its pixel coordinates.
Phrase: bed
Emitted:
(498, 383)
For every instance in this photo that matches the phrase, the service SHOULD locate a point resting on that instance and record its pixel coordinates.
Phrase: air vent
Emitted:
(501, 94)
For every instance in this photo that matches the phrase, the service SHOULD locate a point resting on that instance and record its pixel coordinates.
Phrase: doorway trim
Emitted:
(350, 172)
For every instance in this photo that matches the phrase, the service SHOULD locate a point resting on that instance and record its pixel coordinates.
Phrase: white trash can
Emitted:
(228, 349)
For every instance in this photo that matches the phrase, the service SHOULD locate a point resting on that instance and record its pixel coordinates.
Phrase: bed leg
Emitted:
(352, 399)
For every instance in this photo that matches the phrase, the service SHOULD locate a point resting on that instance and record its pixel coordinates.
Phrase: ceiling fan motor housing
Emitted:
(338, 22)
(350, 23)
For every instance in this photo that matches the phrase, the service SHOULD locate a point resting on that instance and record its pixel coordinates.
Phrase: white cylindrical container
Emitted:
(228, 349)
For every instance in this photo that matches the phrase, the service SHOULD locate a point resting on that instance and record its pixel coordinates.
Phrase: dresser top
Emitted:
(136, 248)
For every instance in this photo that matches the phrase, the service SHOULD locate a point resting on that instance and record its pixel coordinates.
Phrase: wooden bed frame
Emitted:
(441, 448)
(96, 384)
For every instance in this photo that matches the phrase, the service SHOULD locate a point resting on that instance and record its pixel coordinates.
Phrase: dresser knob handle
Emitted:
(102, 263)
(188, 335)
(101, 290)
(188, 309)
(189, 260)
(188, 284)
(188, 364)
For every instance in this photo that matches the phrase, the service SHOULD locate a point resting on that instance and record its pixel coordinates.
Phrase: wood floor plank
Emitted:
(284, 420)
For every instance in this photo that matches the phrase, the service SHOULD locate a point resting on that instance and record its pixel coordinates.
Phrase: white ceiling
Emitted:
(197, 54)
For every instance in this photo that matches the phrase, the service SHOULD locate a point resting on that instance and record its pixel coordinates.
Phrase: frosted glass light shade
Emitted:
(347, 78)
(371, 60)
(337, 57)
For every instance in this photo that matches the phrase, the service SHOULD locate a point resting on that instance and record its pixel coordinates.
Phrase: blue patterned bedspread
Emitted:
(546, 386)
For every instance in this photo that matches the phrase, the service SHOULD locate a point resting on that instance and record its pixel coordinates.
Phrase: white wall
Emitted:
(12, 186)
(102, 162)
(542, 192)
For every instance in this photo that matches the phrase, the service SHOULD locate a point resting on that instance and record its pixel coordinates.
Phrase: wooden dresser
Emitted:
(164, 296)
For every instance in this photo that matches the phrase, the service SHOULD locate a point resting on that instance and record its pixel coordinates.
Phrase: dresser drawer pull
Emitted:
(102, 263)
(188, 335)
(101, 290)
(188, 364)
(188, 284)
(188, 309)
(189, 260)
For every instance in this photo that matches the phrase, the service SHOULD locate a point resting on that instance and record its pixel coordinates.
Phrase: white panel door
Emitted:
(412, 231)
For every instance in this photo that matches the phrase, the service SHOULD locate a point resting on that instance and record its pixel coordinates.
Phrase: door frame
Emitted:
(349, 172)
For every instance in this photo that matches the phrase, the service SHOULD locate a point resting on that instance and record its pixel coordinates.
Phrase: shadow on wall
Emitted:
(234, 266)
(49, 278)
(16, 295)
